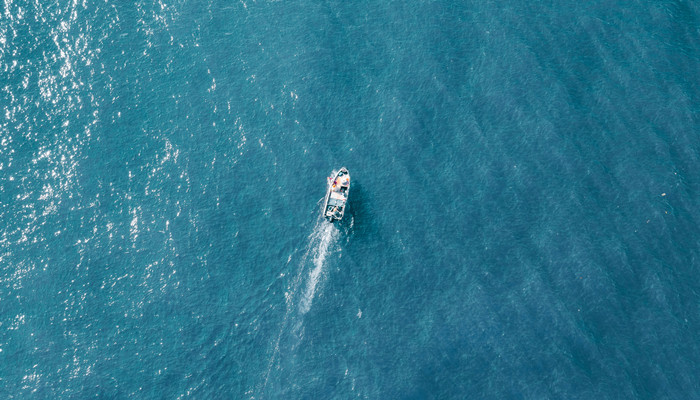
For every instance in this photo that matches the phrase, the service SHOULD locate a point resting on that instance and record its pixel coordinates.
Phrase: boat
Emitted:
(337, 195)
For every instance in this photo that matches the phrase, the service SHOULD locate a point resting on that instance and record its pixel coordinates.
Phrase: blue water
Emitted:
(523, 217)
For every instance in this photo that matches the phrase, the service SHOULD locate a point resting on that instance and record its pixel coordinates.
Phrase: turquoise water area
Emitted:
(522, 223)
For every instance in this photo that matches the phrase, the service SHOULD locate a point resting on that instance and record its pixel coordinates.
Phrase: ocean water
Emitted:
(522, 223)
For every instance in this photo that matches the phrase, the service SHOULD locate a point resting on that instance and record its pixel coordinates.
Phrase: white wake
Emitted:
(323, 236)
(302, 290)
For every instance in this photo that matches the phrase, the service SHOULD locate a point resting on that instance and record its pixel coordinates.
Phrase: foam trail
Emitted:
(298, 301)
(326, 236)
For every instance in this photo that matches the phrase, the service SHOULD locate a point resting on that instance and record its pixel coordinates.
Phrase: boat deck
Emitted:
(338, 195)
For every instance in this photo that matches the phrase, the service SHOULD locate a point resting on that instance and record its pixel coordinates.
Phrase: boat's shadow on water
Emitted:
(360, 225)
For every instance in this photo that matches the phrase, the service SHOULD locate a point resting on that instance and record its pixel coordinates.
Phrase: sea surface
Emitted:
(523, 220)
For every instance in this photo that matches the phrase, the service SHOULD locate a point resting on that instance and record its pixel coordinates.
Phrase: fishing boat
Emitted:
(337, 195)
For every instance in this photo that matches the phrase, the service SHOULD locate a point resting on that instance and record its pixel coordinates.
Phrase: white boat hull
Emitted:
(337, 195)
